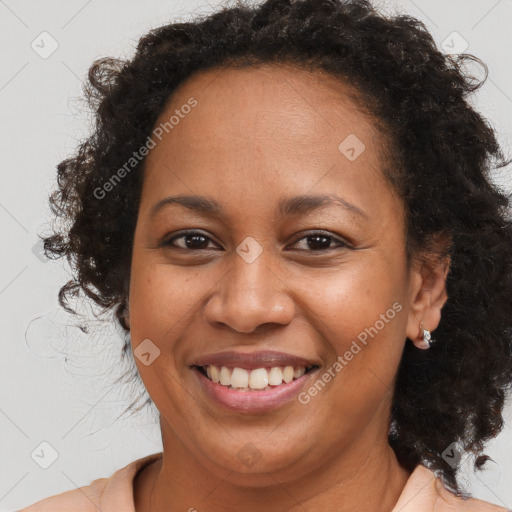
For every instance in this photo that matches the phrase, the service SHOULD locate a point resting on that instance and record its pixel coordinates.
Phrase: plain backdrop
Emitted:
(56, 395)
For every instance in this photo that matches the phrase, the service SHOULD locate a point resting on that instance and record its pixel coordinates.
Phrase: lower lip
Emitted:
(252, 401)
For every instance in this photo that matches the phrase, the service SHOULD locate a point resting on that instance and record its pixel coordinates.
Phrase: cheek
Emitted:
(360, 314)
(163, 300)
(348, 301)
(161, 297)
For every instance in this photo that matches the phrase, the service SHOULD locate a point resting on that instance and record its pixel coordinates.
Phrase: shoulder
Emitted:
(451, 501)
(82, 499)
(106, 494)
(425, 492)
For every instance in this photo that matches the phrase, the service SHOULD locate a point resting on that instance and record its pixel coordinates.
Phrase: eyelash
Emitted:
(184, 234)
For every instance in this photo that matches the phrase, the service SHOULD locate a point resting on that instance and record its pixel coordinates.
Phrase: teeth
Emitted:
(275, 376)
(258, 379)
(240, 378)
(299, 372)
(225, 376)
(214, 372)
(288, 374)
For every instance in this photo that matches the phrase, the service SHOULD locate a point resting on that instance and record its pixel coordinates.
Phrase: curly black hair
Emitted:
(440, 153)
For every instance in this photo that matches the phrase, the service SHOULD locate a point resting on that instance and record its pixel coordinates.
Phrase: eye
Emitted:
(320, 241)
(189, 240)
(196, 240)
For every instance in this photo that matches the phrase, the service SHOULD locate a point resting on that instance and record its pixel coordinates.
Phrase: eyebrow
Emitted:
(287, 205)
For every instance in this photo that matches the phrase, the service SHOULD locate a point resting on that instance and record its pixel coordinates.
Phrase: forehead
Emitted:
(272, 127)
(269, 101)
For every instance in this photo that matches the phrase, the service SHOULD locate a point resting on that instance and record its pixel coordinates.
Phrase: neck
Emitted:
(366, 476)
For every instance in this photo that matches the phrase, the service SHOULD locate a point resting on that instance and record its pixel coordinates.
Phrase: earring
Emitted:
(427, 340)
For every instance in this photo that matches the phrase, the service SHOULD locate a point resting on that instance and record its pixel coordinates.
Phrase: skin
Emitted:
(255, 136)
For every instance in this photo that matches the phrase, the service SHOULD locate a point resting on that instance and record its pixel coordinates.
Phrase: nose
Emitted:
(249, 296)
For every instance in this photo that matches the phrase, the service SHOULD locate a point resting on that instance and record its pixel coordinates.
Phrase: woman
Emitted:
(288, 205)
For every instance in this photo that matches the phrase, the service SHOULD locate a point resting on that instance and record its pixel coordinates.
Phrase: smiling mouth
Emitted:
(258, 379)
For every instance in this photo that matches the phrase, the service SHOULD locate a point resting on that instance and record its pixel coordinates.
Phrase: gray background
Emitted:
(55, 379)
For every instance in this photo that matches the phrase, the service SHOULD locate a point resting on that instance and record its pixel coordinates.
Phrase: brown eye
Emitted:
(196, 240)
(192, 240)
(317, 242)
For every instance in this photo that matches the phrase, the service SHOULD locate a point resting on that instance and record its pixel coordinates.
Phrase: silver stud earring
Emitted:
(427, 338)
(426, 341)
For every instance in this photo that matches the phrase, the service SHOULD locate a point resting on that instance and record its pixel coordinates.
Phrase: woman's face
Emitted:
(269, 268)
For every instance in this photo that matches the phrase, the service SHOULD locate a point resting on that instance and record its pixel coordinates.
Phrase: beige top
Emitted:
(423, 492)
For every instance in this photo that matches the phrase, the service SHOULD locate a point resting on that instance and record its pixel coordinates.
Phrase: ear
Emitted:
(428, 290)
(126, 314)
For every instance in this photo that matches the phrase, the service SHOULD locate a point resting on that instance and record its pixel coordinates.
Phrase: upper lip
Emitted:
(252, 360)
